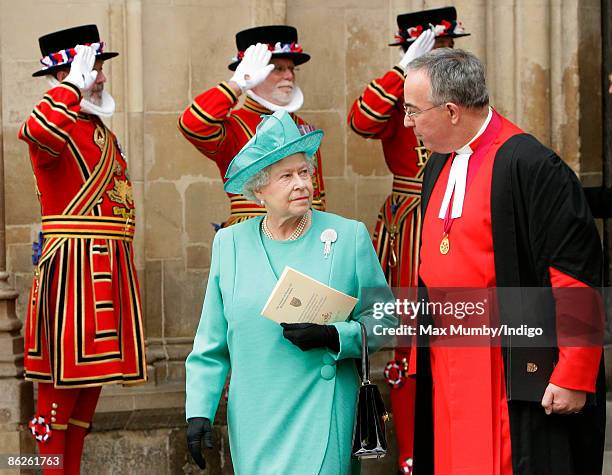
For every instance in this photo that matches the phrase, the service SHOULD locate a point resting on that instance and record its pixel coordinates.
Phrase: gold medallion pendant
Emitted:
(444, 244)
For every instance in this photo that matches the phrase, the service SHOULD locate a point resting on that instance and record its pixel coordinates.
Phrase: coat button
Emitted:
(329, 359)
(328, 372)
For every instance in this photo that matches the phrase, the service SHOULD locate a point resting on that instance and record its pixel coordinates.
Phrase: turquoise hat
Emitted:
(277, 136)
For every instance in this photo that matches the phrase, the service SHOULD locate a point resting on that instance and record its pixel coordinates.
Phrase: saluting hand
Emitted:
(423, 44)
(254, 67)
(82, 74)
(199, 432)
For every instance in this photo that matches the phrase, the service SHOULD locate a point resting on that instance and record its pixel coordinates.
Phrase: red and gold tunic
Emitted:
(219, 131)
(84, 322)
(378, 114)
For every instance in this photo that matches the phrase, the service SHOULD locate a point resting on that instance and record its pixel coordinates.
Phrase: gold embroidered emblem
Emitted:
(121, 193)
(532, 367)
(99, 137)
(422, 154)
(117, 169)
(128, 214)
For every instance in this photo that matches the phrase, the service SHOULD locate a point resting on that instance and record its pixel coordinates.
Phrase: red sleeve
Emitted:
(204, 123)
(578, 365)
(319, 201)
(370, 113)
(50, 123)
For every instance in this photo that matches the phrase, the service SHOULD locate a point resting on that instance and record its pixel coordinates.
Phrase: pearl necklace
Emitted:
(294, 235)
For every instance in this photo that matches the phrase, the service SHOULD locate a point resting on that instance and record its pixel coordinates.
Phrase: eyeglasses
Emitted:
(280, 68)
(410, 115)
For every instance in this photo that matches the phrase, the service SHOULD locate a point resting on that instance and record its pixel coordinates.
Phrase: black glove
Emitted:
(307, 336)
(198, 431)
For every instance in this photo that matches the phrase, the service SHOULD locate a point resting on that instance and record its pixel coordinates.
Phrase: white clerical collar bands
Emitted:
(457, 178)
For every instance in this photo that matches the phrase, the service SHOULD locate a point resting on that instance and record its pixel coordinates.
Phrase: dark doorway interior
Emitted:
(606, 49)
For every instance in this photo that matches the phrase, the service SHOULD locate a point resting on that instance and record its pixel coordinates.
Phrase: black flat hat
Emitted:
(55, 47)
(271, 35)
(444, 21)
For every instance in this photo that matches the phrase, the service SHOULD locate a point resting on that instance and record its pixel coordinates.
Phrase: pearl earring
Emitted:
(262, 203)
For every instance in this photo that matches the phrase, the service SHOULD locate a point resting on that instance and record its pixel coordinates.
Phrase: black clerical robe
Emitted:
(539, 220)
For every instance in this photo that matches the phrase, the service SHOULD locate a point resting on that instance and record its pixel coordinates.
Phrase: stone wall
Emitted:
(543, 62)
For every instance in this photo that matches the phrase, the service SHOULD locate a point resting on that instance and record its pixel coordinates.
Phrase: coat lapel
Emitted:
(263, 261)
(434, 166)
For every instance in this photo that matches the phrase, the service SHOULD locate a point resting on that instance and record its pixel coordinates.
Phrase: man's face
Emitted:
(94, 95)
(278, 86)
(430, 126)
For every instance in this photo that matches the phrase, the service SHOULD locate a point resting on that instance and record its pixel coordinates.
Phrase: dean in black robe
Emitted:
(540, 219)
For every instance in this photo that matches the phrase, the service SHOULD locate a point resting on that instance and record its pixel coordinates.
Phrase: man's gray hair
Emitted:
(262, 178)
(455, 76)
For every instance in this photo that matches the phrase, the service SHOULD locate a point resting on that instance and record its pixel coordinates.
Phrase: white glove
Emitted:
(423, 44)
(254, 67)
(82, 74)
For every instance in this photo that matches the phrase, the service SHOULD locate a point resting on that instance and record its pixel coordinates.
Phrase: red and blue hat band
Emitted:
(66, 56)
(276, 48)
(445, 28)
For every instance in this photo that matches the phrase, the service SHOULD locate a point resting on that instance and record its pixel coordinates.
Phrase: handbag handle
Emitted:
(365, 359)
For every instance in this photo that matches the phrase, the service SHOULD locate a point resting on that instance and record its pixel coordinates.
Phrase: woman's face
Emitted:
(289, 190)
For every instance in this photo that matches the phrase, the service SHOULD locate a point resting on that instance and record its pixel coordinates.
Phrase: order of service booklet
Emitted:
(297, 298)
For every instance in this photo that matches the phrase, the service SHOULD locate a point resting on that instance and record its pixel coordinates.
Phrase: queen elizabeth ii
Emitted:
(293, 388)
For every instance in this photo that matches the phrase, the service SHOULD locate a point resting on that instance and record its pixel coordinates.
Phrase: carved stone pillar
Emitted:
(16, 403)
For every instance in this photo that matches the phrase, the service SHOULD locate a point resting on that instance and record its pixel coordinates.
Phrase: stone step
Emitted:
(607, 468)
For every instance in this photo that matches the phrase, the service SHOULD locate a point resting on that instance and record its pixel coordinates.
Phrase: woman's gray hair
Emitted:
(262, 177)
(455, 76)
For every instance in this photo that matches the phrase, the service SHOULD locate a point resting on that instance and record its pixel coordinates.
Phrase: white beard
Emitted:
(105, 110)
(296, 102)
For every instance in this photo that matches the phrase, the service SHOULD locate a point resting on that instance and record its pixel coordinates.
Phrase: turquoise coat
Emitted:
(289, 411)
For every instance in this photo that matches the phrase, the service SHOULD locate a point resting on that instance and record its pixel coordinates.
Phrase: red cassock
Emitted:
(84, 322)
(378, 114)
(471, 418)
(219, 131)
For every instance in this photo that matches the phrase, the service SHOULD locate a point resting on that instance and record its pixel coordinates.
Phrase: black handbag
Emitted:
(369, 438)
